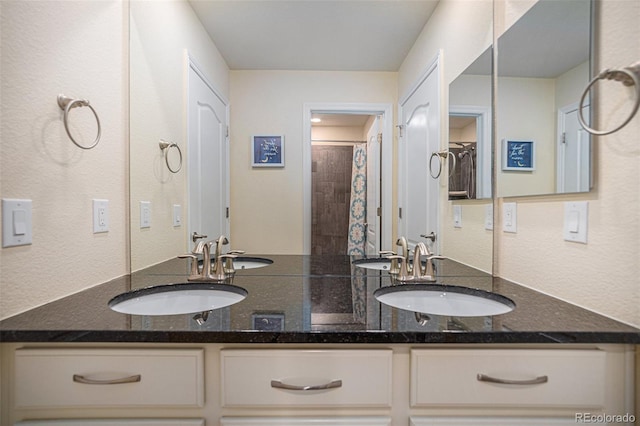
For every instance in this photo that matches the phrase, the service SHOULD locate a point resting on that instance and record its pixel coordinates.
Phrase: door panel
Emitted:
(207, 159)
(373, 189)
(420, 118)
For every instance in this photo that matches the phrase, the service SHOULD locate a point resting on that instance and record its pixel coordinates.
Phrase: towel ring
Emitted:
(441, 155)
(165, 147)
(629, 76)
(66, 104)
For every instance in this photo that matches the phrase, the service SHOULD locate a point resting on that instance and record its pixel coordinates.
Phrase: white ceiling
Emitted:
(323, 35)
(340, 120)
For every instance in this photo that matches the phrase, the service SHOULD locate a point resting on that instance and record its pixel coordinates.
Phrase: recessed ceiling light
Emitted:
(315, 120)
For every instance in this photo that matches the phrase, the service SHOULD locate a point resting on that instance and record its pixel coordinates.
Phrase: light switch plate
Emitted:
(457, 216)
(16, 222)
(488, 217)
(509, 217)
(575, 221)
(100, 216)
(177, 215)
(145, 214)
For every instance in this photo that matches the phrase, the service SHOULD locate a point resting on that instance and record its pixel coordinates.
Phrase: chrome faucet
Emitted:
(415, 272)
(203, 273)
(396, 268)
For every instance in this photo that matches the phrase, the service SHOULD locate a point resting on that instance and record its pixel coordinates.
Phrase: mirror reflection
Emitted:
(470, 131)
(543, 66)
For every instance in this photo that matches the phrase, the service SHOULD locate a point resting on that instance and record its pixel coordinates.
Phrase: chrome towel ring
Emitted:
(629, 76)
(165, 147)
(66, 104)
(441, 156)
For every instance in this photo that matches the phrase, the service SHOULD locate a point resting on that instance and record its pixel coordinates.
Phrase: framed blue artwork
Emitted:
(267, 151)
(518, 155)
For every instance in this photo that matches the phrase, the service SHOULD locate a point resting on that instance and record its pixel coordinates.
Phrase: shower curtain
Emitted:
(358, 205)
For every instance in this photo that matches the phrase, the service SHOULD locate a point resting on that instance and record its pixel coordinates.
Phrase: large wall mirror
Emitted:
(543, 66)
(158, 44)
(470, 131)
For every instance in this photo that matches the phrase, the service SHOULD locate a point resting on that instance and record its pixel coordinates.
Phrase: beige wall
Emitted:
(602, 275)
(267, 204)
(38, 161)
(161, 34)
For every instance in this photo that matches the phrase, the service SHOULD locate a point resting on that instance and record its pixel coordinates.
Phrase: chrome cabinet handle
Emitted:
(536, 381)
(84, 380)
(331, 385)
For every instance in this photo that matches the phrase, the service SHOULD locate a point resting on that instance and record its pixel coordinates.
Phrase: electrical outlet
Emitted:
(145, 214)
(509, 218)
(488, 217)
(100, 216)
(457, 216)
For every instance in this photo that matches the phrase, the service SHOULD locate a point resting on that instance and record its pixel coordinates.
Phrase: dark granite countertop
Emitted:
(313, 299)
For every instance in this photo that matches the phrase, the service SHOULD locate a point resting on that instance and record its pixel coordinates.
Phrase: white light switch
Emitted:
(100, 216)
(457, 216)
(145, 214)
(509, 218)
(177, 215)
(16, 222)
(575, 221)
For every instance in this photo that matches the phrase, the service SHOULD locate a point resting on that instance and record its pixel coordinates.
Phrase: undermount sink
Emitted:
(174, 299)
(248, 262)
(438, 299)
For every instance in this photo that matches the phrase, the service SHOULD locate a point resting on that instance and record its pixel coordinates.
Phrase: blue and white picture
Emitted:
(518, 155)
(267, 151)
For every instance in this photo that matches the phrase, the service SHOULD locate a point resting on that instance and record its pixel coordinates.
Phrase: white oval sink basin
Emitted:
(437, 299)
(174, 299)
(243, 262)
(378, 264)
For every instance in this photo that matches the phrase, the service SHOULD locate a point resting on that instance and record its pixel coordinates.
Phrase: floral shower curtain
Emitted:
(358, 205)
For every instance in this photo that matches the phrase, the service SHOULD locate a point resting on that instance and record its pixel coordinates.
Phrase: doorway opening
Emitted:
(341, 161)
(379, 220)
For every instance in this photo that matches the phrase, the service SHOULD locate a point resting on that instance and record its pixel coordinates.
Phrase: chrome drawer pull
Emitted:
(131, 379)
(536, 381)
(331, 385)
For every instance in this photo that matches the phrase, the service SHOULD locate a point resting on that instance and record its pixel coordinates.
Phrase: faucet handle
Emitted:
(402, 271)
(431, 269)
(222, 273)
(387, 253)
(194, 274)
(195, 237)
(236, 252)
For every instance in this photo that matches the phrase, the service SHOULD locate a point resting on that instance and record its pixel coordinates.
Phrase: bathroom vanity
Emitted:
(311, 345)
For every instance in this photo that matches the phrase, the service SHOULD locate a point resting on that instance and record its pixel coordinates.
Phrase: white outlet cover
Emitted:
(488, 217)
(145, 214)
(100, 216)
(457, 216)
(509, 217)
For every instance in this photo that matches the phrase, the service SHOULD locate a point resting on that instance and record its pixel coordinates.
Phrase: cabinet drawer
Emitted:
(113, 422)
(108, 378)
(567, 378)
(292, 377)
(305, 421)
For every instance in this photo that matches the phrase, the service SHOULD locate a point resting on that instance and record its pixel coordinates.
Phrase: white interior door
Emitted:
(207, 152)
(574, 152)
(420, 137)
(373, 189)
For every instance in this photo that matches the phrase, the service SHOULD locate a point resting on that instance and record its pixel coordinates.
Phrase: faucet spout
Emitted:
(419, 250)
(402, 242)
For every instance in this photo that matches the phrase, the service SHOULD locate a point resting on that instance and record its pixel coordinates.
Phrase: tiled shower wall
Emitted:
(331, 186)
